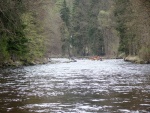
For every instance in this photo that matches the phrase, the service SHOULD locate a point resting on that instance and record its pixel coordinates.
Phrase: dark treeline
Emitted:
(20, 39)
(33, 30)
(133, 24)
(12, 37)
(84, 36)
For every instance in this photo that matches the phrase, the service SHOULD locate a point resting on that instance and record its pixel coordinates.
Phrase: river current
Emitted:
(85, 86)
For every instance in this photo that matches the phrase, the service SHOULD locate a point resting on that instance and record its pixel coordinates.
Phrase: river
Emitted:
(85, 86)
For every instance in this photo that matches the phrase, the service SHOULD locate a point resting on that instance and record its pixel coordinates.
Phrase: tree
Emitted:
(120, 13)
(87, 38)
(65, 16)
(13, 40)
(133, 25)
(65, 13)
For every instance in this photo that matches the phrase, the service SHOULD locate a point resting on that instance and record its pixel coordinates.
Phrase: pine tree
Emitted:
(11, 30)
(66, 32)
(87, 37)
(120, 14)
(65, 13)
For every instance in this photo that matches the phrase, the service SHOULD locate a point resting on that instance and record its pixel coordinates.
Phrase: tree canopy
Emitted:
(33, 30)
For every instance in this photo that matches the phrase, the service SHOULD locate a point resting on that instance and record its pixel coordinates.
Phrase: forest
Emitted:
(33, 31)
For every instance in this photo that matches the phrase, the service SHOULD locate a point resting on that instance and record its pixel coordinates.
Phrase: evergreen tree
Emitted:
(87, 37)
(65, 16)
(65, 13)
(13, 39)
(120, 13)
(95, 34)
(79, 27)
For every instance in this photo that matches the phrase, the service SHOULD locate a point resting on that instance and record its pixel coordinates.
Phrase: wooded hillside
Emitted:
(33, 30)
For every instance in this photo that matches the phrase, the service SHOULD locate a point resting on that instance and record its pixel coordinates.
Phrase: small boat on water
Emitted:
(95, 58)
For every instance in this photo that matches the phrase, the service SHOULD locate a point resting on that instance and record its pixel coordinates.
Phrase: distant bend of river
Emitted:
(85, 86)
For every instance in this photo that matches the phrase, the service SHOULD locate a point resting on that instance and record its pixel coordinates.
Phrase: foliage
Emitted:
(132, 17)
(35, 40)
(19, 33)
(144, 53)
(3, 49)
(31, 30)
(65, 29)
(65, 13)
(86, 36)
(13, 40)
(121, 15)
(107, 25)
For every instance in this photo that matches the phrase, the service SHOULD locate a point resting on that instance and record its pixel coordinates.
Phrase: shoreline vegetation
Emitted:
(10, 63)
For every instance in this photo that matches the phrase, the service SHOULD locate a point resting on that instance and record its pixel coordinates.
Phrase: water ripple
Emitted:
(77, 87)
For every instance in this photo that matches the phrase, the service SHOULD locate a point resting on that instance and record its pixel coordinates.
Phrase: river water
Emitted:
(85, 86)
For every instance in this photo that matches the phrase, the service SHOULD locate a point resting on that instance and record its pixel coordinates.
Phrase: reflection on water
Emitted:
(109, 86)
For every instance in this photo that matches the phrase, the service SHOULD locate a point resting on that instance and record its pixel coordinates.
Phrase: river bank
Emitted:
(53, 60)
(10, 63)
(19, 63)
(135, 59)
